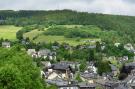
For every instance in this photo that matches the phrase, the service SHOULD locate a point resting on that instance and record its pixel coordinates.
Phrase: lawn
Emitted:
(8, 32)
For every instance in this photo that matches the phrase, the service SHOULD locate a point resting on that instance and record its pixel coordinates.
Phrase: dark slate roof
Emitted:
(130, 78)
(121, 87)
(57, 82)
(130, 64)
(69, 85)
(132, 85)
(86, 85)
(60, 66)
(88, 75)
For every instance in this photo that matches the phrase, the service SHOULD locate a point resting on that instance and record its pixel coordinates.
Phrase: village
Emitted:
(73, 75)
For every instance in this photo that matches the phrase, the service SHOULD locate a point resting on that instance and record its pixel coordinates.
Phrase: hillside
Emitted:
(123, 25)
(71, 34)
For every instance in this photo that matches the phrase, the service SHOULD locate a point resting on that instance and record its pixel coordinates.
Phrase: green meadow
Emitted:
(41, 37)
(8, 32)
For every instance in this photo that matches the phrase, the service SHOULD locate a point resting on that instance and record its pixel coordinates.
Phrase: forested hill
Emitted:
(124, 25)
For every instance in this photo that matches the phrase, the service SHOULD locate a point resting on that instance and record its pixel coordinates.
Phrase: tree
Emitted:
(19, 35)
(91, 56)
(98, 47)
(17, 70)
(103, 67)
(82, 66)
(122, 76)
(78, 78)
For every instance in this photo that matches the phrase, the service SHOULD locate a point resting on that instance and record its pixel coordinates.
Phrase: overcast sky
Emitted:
(122, 7)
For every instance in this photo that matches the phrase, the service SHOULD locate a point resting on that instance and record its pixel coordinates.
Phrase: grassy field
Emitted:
(8, 32)
(60, 39)
(32, 34)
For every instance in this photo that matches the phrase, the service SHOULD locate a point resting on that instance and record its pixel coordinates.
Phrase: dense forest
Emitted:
(124, 25)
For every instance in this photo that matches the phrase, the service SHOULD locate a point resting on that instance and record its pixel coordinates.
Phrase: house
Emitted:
(32, 53)
(53, 75)
(103, 47)
(46, 53)
(114, 70)
(91, 46)
(108, 76)
(67, 47)
(84, 85)
(123, 59)
(55, 47)
(81, 47)
(131, 77)
(132, 86)
(78, 86)
(88, 77)
(122, 86)
(43, 53)
(116, 44)
(91, 67)
(45, 64)
(111, 85)
(62, 69)
(130, 66)
(6, 44)
(73, 65)
(24, 42)
(62, 84)
(129, 47)
(70, 86)
(52, 55)
(57, 82)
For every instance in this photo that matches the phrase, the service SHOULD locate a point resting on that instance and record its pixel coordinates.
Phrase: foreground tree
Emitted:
(17, 71)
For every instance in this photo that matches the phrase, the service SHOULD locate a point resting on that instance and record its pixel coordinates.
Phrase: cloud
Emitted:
(122, 7)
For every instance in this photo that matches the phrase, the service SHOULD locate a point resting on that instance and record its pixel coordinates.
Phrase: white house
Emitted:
(129, 47)
(32, 53)
(6, 44)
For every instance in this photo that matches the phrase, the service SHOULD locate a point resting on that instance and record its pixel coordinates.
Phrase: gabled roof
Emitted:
(5, 43)
(88, 75)
(132, 64)
(86, 85)
(121, 87)
(60, 66)
(57, 82)
(44, 52)
(92, 46)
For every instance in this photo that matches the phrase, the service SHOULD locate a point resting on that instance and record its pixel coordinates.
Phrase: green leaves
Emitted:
(17, 71)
